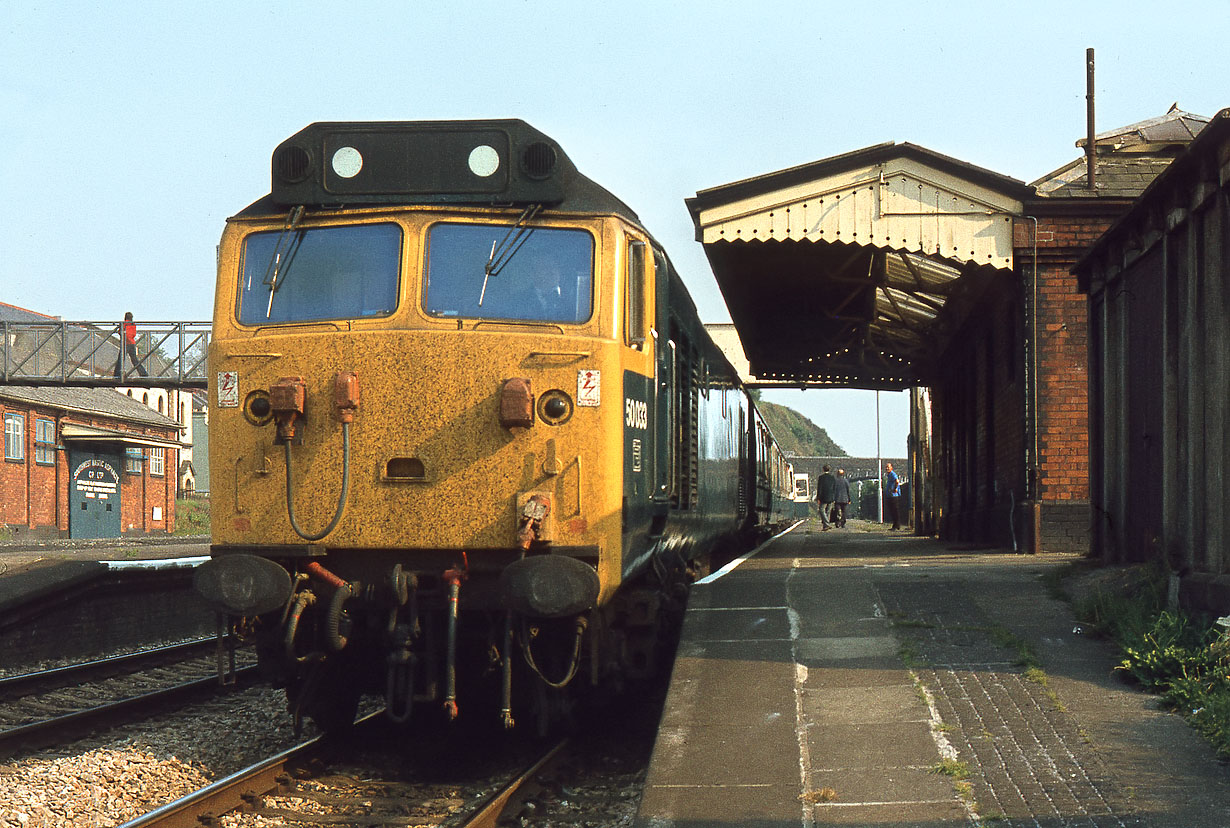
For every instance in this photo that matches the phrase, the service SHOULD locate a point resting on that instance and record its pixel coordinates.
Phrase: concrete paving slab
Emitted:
(817, 652)
(866, 704)
(869, 745)
(904, 786)
(892, 815)
(723, 806)
(738, 624)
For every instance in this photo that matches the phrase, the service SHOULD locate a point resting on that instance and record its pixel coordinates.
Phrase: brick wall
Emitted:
(1065, 526)
(34, 497)
(1063, 369)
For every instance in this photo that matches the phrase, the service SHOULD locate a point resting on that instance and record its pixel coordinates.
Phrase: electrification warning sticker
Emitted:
(228, 389)
(589, 388)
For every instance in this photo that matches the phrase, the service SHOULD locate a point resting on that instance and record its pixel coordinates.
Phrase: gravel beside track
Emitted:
(121, 774)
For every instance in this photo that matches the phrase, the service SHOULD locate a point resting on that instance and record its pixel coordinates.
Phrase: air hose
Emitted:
(341, 500)
(527, 636)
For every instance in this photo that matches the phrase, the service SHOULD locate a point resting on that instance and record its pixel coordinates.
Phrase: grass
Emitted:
(952, 768)
(1184, 658)
(191, 516)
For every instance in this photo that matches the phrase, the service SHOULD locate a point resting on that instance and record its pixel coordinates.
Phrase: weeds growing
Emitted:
(192, 516)
(1184, 658)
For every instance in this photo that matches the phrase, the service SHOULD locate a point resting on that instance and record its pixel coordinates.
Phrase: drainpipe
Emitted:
(1033, 468)
(1091, 166)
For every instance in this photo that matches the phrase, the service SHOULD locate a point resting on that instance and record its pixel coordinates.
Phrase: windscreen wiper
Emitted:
(503, 251)
(276, 265)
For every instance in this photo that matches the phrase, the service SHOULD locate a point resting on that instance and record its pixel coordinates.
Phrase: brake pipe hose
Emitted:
(341, 500)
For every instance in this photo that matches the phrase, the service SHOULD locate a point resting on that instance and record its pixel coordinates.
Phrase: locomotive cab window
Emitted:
(320, 273)
(636, 295)
(484, 271)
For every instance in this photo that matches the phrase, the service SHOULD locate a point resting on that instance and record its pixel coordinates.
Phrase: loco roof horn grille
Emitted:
(539, 159)
(291, 164)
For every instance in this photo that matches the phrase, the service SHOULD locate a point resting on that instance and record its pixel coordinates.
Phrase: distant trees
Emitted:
(796, 434)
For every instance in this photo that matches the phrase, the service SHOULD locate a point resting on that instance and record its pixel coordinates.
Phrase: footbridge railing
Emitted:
(168, 354)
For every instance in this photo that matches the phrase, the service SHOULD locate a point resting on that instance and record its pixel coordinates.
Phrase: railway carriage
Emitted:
(469, 438)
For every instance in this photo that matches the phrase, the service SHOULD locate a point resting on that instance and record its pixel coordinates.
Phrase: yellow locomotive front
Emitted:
(418, 415)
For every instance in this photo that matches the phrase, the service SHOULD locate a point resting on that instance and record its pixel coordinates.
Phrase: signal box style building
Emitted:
(1158, 284)
(896, 267)
(85, 463)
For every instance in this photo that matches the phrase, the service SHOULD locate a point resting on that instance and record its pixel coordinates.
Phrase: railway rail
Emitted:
(280, 787)
(40, 707)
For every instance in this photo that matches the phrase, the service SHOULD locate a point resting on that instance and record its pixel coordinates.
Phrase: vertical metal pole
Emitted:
(1090, 153)
(879, 466)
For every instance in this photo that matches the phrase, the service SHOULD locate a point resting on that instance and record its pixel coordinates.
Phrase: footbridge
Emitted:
(92, 354)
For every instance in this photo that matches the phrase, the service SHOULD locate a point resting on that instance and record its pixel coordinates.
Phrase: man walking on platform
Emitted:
(843, 498)
(826, 493)
(893, 489)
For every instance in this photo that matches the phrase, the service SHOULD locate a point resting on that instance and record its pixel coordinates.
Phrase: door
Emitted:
(94, 495)
(664, 396)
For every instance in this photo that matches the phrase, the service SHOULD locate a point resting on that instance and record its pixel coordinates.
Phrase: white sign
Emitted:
(589, 388)
(228, 389)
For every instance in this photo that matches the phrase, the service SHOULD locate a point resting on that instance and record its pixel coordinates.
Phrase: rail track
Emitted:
(295, 787)
(42, 707)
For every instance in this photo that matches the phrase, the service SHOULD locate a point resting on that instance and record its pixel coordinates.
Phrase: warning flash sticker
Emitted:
(589, 388)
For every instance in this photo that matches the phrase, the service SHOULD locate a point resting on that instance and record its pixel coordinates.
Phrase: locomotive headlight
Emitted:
(549, 586)
(555, 407)
(257, 409)
(242, 584)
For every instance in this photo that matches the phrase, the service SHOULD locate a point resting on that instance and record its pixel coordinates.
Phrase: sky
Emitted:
(131, 131)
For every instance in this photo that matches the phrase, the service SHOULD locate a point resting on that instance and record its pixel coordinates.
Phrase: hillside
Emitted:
(798, 435)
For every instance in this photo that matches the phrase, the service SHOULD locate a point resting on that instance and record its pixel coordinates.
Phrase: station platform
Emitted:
(30, 569)
(871, 678)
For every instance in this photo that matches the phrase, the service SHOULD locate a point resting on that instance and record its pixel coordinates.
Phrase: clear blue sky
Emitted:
(132, 130)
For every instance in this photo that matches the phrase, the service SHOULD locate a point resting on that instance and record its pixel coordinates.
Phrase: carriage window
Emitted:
(320, 273)
(546, 275)
(636, 294)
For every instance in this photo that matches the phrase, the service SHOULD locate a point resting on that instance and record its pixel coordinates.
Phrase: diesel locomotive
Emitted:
(469, 441)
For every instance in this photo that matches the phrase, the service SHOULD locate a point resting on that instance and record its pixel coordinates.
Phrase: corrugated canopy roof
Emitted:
(856, 270)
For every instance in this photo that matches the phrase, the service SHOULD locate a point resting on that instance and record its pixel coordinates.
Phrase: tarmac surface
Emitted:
(871, 678)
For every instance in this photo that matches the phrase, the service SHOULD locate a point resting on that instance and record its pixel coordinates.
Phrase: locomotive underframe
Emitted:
(380, 626)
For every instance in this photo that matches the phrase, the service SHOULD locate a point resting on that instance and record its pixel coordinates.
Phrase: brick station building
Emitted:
(85, 463)
(895, 267)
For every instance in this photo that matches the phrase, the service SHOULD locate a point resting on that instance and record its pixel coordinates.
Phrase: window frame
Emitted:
(14, 440)
(431, 304)
(44, 444)
(134, 461)
(636, 325)
(157, 462)
(242, 295)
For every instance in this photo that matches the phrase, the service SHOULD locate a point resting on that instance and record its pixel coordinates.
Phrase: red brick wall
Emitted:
(1063, 350)
(34, 497)
(1063, 368)
(14, 477)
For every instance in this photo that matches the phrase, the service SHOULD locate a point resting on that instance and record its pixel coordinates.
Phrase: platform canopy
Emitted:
(857, 270)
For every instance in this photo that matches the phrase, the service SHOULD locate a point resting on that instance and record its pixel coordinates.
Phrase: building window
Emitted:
(133, 458)
(45, 442)
(14, 437)
(156, 461)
